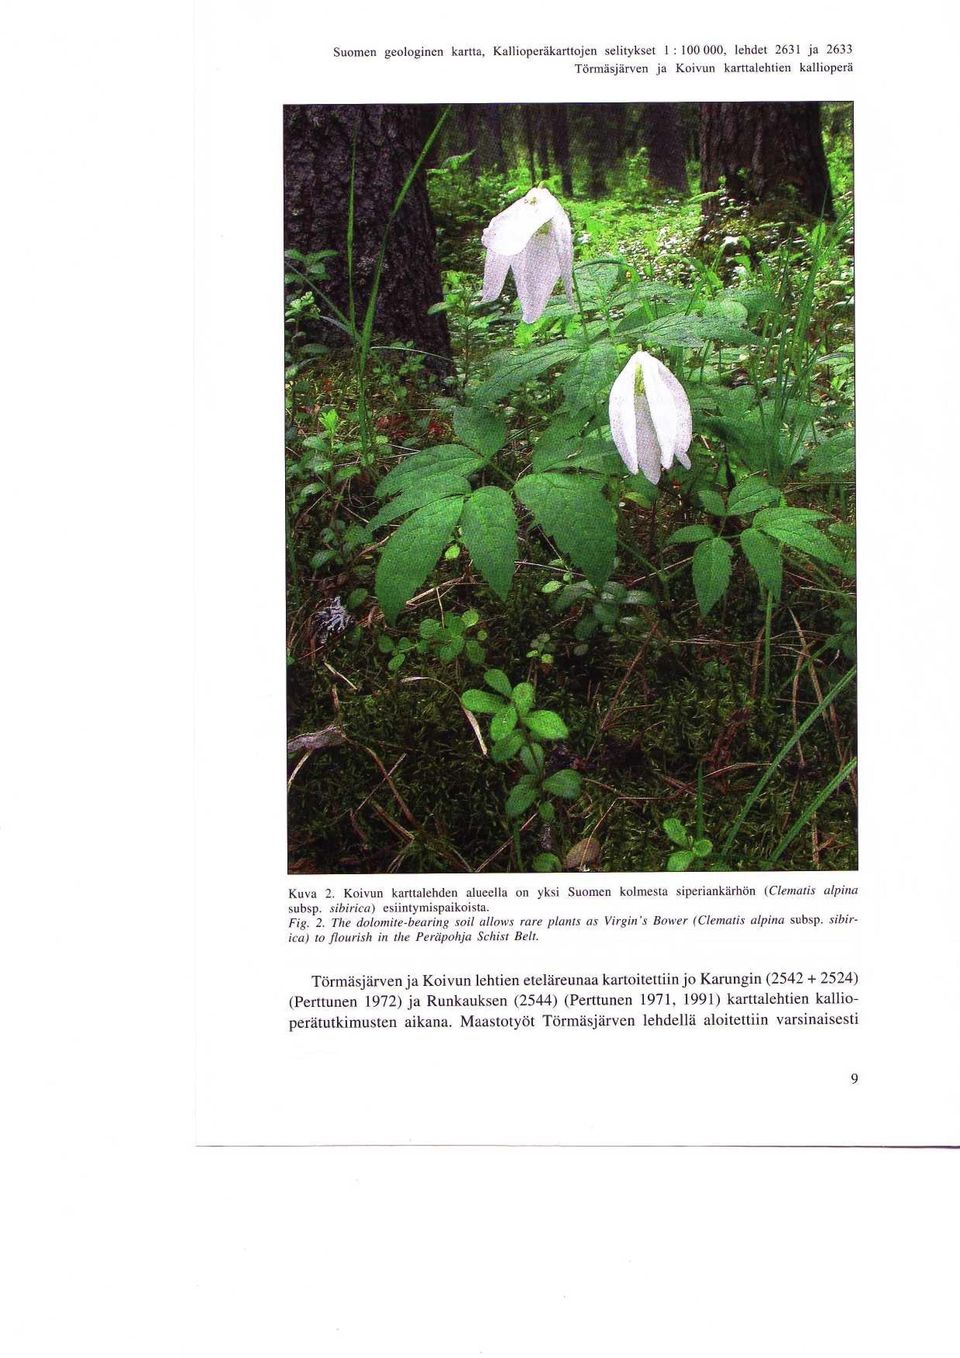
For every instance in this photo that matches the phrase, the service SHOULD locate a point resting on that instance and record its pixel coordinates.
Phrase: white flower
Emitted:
(534, 238)
(650, 417)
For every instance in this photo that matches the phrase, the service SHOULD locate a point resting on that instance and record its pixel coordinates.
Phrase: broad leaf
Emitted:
(523, 696)
(711, 572)
(504, 722)
(545, 724)
(479, 700)
(489, 527)
(481, 430)
(510, 371)
(412, 551)
(795, 528)
(564, 783)
(692, 332)
(446, 457)
(835, 456)
(590, 377)
(697, 532)
(764, 557)
(575, 513)
(521, 797)
(496, 679)
(421, 492)
(749, 495)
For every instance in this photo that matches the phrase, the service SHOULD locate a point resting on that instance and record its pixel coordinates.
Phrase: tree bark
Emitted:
(494, 123)
(560, 136)
(663, 138)
(529, 142)
(771, 156)
(318, 148)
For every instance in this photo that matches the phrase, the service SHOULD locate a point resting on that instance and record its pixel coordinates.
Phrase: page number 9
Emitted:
(854, 1078)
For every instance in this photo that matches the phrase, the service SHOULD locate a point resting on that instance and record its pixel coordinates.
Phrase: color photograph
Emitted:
(570, 509)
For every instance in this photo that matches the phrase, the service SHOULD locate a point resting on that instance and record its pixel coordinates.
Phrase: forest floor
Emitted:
(672, 715)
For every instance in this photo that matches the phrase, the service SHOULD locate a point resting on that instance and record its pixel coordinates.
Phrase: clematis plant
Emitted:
(532, 237)
(650, 417)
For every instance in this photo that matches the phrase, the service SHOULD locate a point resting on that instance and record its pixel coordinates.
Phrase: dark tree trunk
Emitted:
(495, 131)
(471, 125)
(560, 136)
(530, 142)
(318, 142)
(594, 137)
(663, 138)
(771, 156)
(540, 115)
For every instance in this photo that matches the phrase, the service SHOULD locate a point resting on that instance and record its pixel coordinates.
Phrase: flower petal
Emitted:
(536, 270)
(563, 233)
(649, 452)
(669, 410)
(623, 414)
(510, 230)
(495, 270)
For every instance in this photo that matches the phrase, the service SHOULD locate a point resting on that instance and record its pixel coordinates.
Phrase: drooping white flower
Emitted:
(650, 417)
(534, 238)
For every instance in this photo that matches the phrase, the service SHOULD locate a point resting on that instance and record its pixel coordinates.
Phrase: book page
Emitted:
(551, 790)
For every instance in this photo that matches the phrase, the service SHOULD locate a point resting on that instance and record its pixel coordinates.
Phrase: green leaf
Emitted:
(794, 528)
(703, 848)
(548, 813)
(590, 377)
(412, 551)
(711, 572)
(835, 456)
(594, 452)
(749, 495)
(533, 758)
(575, 513)
(697, 532)
(712, 502)
(479, 700)
(489, 527)
(692, 332)
(446, 457)
(679, 862)
(557, 442)
(509, 371)
(546, 862)
(564, 783)
(521, 797)
(523, 696)
(545, 724)
(677, 831)
(505, 749)
(481, 430)
(765, 558)
(504, 722)
(496, 679)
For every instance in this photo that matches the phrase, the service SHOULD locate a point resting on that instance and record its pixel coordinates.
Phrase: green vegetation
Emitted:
(523, 646)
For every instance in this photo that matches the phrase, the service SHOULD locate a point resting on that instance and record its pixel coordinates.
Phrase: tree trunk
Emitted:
(663, 138)
(595, 140)
(540, 115)
(560, 136)
(495, 129)
(529, 142)
(318, 145)
(771, 156)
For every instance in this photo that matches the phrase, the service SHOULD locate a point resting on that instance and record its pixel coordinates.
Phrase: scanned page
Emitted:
(564, 777)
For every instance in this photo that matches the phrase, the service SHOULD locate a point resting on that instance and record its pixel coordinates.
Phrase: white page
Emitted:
(121, 1234)
(264, 1078)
